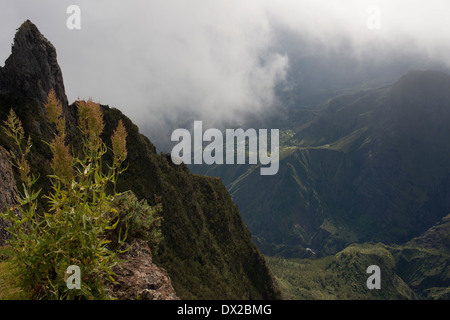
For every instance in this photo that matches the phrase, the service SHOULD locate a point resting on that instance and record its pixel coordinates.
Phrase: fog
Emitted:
(164, 60)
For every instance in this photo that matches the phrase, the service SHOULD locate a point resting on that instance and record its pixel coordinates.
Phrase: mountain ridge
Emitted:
(200, 266)
(371, 167)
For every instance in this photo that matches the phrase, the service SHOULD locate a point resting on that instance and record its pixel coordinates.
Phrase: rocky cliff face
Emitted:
(139, 278)
(8, 190)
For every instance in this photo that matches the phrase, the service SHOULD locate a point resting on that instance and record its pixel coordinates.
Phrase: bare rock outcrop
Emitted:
(8, 190)
(139, 278)
(32, 70)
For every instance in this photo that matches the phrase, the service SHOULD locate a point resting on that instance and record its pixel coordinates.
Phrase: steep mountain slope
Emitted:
(342, 276)
(207, 250)
(414, 270)
(373, 167)
(438, 236)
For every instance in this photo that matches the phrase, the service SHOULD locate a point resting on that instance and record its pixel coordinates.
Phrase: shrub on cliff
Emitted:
(82, 213)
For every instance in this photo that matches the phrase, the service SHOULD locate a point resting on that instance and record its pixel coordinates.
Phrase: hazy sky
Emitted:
(153, 58)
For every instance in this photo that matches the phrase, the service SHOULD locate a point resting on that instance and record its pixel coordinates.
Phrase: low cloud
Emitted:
(164, 59)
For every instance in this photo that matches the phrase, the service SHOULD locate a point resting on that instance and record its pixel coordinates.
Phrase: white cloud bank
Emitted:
(154, 59)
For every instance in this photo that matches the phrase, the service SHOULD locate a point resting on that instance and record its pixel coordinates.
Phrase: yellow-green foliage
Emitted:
(138, 219)
(9, 288)
(206, 248)
(81, 215)
(340, 277)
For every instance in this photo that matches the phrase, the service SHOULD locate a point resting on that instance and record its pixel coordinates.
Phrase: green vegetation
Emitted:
(81, 215)
(407, 272)
(203, 244)
(206, 248)
(372, 166)
(340, 277)
(9, 286)
(137, 220)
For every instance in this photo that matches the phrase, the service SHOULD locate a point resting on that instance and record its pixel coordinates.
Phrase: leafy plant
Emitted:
(138, 219)
(81, 215)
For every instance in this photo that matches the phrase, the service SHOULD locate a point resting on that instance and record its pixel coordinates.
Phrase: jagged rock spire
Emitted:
(32, 68)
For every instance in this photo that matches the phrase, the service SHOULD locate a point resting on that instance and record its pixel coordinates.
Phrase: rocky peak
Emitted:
(32, 68)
